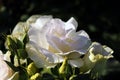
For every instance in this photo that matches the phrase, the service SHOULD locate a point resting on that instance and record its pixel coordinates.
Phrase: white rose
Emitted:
(51, 39)
(96, 53)
(21, 28)
(6, 73)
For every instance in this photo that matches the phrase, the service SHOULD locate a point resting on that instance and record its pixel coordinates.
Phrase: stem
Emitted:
(62, 69)
(73, 71)
(18, 58)
(63, 66)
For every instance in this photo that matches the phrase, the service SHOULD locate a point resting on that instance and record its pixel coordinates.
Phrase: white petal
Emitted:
(57, 27)
(51, 57)
(76, 62)
(42, 57)
(33, 19)
(108, 50)
(38, 36)
(20, 30)
(99, 49)
(74, 55)
(41, 21)
(5, 71)
(71, 24)
(83, 33)
(78, 41)
(7, 56)
(39, 59)
(96, 48)
(58, 43)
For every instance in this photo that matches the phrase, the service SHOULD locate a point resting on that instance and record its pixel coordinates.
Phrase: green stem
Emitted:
(62, 69)
(18, 58)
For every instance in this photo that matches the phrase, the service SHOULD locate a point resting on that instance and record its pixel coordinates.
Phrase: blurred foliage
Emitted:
(100, 18)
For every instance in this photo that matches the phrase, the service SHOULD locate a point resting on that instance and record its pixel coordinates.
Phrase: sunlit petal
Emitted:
(71, 24)
(38, 58)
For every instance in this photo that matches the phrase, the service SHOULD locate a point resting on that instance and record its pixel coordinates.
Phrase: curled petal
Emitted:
(71, 24)
(58, 44)
(78, 41)
(72, 54)
(42, 57)
(57, 27)
(76, 62)
(33, 19)
(20, 30)
(41, 21)
(37, 57)
(97, 48)
(108, 50)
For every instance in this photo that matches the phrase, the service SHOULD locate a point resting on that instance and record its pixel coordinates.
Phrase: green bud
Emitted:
(36, 76)
(19, 44)
(31, 69)
(10, 43)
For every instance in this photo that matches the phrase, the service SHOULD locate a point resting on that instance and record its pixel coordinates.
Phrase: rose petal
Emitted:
(97, 48)
(71, 24)
(38, 58)
(74, 55)
(57, 27)
(107, 50)
(20, 30)
(7, 56)
(38, 36)
(79, 41)
(5, 71)
(42, 57)
(51, 57)
(58, 44)
(41, 21)
(76, 62)
(33, 19)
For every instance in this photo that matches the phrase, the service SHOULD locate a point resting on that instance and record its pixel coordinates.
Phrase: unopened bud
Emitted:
(31, 69)
(36, 76)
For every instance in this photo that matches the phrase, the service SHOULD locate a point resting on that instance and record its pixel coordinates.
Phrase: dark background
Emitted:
(99, 18)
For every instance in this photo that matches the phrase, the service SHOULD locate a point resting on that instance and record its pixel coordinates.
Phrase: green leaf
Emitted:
(19, 44)
(22, 53)
(26, 39)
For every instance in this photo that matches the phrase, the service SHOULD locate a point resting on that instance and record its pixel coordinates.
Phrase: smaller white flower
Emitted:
(96, 52)
(20, 30)
(6, 73)
(97, 48)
